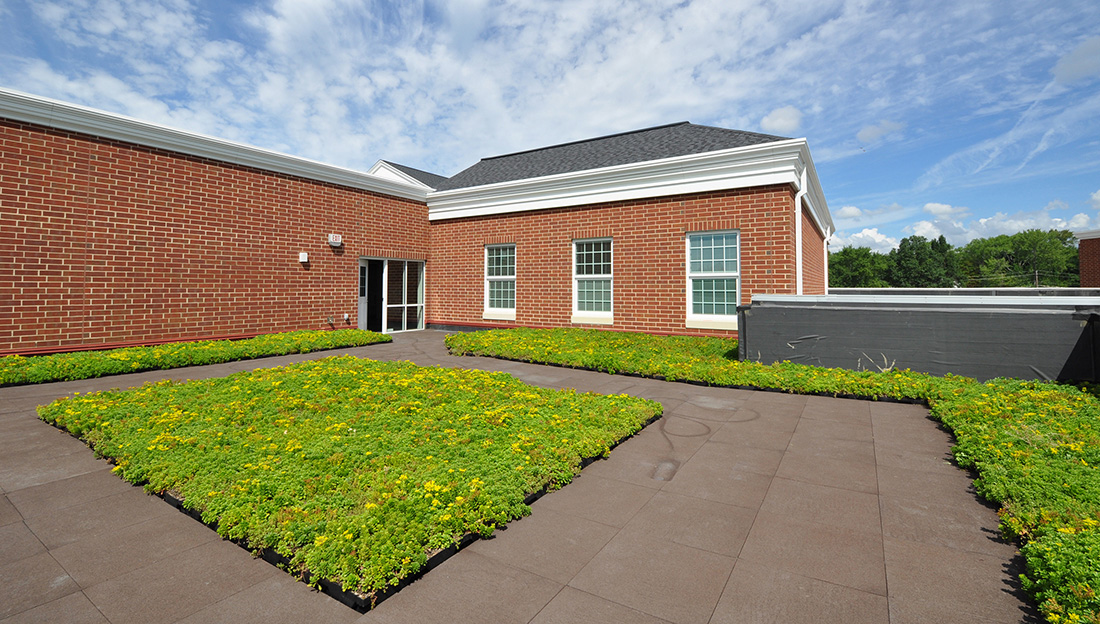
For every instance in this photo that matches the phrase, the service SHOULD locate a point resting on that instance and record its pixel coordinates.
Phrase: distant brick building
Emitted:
(114, 231)
(1088, 255)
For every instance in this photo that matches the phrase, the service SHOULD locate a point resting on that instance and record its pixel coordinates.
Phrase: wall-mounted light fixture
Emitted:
(335, 240)
(303, 257)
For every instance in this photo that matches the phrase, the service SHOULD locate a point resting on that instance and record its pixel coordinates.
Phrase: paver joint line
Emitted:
(901, 596)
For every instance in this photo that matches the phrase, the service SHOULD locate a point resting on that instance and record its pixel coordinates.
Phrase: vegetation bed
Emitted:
(18, 370)
(352, 470)
(1034, 445)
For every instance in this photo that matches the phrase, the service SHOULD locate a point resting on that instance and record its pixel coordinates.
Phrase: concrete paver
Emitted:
(735, 507)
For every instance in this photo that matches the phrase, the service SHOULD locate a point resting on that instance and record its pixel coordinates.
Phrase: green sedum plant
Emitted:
(1034, 445)
(18, 370)
(356, 471)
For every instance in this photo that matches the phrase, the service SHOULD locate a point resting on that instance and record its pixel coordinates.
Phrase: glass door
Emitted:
(404, 295)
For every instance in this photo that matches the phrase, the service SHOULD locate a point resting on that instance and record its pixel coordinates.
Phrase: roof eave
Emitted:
(777, 162)
(34, 109)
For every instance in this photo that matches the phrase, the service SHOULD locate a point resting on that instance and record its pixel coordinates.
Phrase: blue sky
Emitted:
(969, 118)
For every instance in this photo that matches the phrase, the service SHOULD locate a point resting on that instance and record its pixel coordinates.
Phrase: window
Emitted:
(500, 282)
(592, 281)
(714, 279)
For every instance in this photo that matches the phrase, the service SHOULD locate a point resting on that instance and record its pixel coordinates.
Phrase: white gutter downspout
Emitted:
(798, 233)
(825, 250)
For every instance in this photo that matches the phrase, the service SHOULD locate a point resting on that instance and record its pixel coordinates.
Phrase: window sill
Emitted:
(499, 315)
(580, 319)
(712, 323)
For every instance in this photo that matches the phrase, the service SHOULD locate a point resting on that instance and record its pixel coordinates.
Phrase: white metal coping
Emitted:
(988, 301)
(28, 108)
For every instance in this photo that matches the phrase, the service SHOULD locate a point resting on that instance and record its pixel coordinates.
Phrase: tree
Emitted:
(858, 267)
(920, 263)
(1029, 258)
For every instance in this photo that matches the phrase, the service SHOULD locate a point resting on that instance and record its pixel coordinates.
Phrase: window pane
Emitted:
(412, 282)
(594, 258)
(414, 317)
(714, 296)
(594, 295)
(502, 294)
(395, 282)
(362, 281)
(501, 261)
(394, 317)
(713, 253)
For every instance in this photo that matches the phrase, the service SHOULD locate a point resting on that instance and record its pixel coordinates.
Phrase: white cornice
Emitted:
(780, 162)
(64, 116)
(1087, 234)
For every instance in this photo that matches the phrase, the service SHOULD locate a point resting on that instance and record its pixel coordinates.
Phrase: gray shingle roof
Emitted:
(425, 177)
(677, 139)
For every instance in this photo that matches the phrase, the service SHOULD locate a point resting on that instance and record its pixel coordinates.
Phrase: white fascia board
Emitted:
(64, 116)
(819, 210)
(780, 162)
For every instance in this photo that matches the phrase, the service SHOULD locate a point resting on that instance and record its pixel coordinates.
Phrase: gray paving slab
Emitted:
(736, 506)
(760, 594)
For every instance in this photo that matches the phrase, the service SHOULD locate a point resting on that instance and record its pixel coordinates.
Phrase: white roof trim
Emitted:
(64, 116)
(385, 170)
(947, 301)
(1086, 235)
(780, 162)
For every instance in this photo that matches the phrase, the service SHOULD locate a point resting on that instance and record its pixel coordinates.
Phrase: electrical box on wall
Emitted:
(335, 240)
(303, 257)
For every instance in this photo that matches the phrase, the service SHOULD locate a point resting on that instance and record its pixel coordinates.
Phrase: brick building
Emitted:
(115, 231)
(1088, 256)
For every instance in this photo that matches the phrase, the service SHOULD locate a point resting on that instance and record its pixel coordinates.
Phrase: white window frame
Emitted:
(588, 317)
(709, 321)
(499, 314)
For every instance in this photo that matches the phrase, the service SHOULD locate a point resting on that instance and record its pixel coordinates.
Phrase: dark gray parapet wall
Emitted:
(1050, 291)
(1028, 337)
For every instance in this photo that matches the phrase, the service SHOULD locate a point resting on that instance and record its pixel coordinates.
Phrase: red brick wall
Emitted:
(105, 242)
(813, 257)
(1088, 253)
(648, 258)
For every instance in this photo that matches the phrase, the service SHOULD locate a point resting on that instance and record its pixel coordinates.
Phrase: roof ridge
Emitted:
(759, 134)
(592, 140)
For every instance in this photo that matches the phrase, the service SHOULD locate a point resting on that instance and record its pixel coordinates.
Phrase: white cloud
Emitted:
(871, 134)
(1094, 199)
(785, 120)
(931, 229)
(850, 212)
(1053, 216)
(945, 210)
(1082, 62)
(438, 85)
(869, 237)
